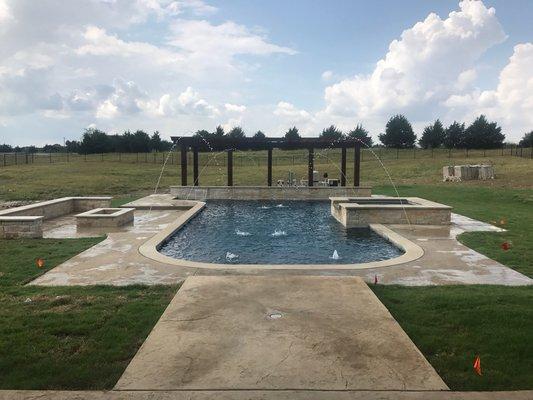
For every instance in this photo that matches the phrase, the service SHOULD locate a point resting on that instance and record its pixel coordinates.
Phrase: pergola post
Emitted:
(357, 165)
(310, 167)
(183, 165)
(269, 167)
(343, 166)
(230, 167)
(195, 165)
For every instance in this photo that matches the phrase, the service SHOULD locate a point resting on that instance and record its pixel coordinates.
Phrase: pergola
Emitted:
(227, 144)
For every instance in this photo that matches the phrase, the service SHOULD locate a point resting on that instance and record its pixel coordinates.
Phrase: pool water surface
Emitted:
(274, 232)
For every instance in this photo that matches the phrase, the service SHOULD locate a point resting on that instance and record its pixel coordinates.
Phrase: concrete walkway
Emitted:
(278, 333)
(261, 395)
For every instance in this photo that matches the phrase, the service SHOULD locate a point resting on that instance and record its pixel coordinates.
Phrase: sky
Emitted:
(180, 66)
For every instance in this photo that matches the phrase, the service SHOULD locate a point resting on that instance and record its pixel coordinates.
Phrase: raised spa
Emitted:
(264, 232)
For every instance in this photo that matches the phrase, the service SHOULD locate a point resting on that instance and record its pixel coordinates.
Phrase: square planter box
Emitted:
(105, 217)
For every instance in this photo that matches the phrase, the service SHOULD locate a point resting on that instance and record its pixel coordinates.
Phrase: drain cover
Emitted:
(274, 315)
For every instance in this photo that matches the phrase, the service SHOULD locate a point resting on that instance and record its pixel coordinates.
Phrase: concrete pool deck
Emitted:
(117, 260)
(278, 333)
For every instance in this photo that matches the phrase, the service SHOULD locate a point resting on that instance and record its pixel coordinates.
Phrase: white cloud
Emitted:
(423, 67)
(327, 75)
(107, 110)
(87, 60)
(285, 109)
(220, 43)
(511, 103)
(234, 108)
(5, 12)
(187, 102)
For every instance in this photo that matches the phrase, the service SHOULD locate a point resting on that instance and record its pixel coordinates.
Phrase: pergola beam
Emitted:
(357, 165)
(195, 165)
(310, 166)
(183, 165)
(230, 167)
(269, 167)
(343, 166)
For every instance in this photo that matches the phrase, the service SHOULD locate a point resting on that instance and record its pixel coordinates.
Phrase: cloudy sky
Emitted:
(180, 66)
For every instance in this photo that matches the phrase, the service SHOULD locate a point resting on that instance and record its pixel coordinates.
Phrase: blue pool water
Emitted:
(281, 232)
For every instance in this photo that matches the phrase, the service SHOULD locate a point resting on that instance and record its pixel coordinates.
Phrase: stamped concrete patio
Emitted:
(117, 260)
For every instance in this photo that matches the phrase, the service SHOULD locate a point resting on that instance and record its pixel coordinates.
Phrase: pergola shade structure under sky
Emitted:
(227, 144)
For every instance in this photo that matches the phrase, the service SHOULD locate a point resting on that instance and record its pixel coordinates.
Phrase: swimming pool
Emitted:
(265, 232)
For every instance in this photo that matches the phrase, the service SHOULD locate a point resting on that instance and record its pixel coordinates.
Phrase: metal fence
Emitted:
(259, 158)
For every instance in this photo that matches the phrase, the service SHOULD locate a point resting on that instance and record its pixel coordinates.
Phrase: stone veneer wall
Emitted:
(417, 212)
(266, 192)
(21, 227)
(26, 221)
(364, 216)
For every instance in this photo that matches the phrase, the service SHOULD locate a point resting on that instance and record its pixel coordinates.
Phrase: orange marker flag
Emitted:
(477, 365)
(505, 246)
(39, 262)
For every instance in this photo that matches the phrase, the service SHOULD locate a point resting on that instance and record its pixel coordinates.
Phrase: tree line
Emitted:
(96, 141)
(399, 133)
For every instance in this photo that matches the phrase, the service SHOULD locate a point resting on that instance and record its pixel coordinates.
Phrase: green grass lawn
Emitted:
(453, 324)
(68, 337)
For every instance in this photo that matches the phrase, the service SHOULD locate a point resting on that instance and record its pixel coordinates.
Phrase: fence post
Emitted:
(50, 154)
(414, 152)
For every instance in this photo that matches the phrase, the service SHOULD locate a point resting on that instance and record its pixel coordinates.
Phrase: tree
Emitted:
(141, 142)
(292, 134)
(482, 134)
(398, 133)
(433, 136)
(219, 131)
(51, 148)
(236, 133)
(454, 136)
(5, 148)
(527, 140)
(331, 133)
(203, 134)
(156, 144)
(259, 135)
(362, 135)
(94, 141)
(73, 146)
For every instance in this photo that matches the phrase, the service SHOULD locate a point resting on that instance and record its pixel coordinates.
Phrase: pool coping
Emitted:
(150, 249)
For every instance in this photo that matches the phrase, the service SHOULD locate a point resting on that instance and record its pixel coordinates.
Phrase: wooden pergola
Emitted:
(197, 144)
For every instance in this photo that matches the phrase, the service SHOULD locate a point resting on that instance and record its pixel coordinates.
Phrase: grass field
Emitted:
(45, 181)
(80, 338)
(68, 337)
